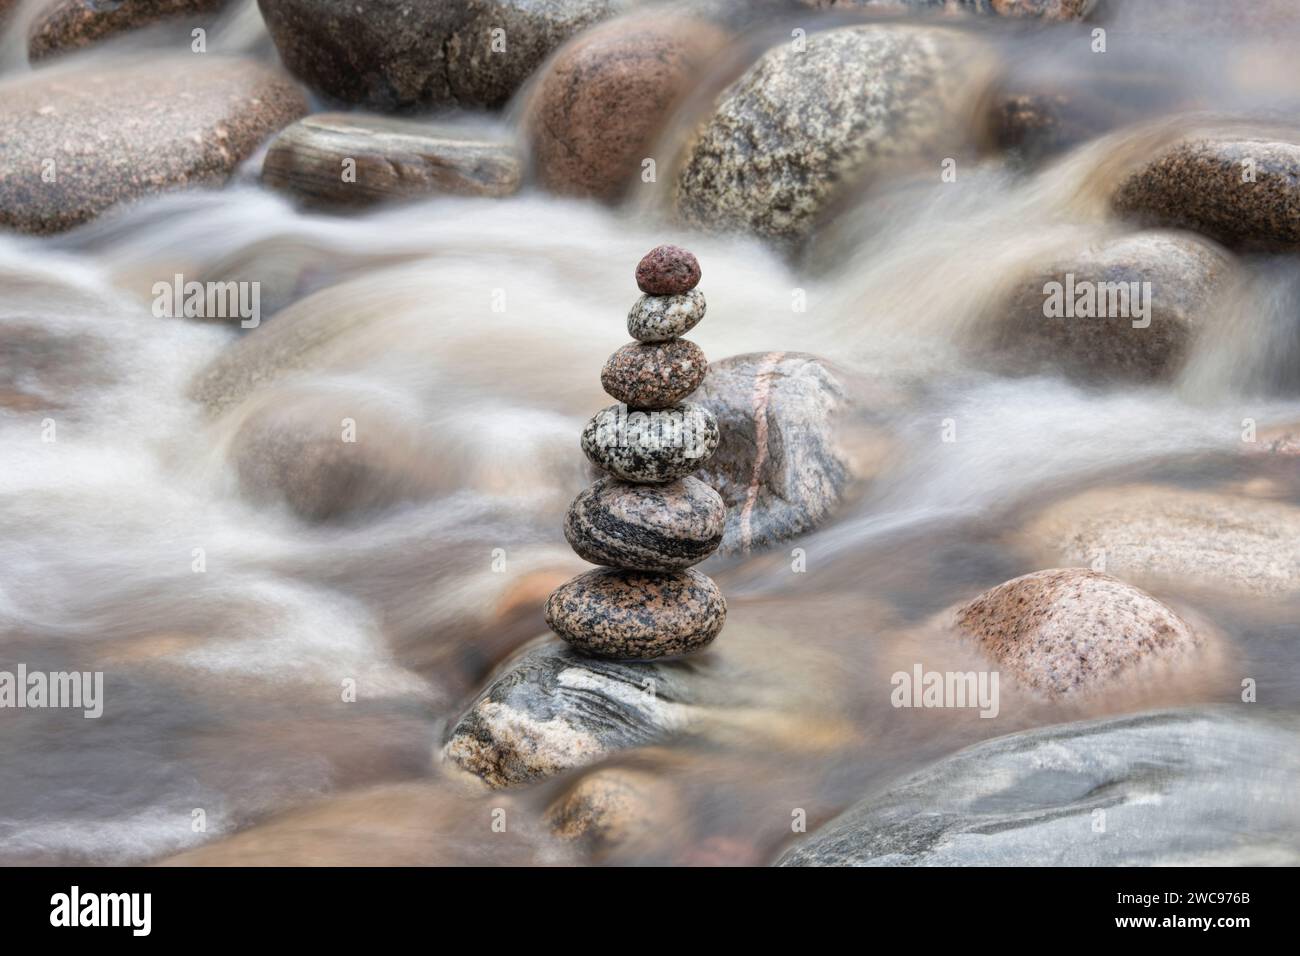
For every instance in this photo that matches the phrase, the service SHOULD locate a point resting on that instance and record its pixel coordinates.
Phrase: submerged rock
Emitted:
(1241, 188)
(72, 144)
(1174, 537)
(67, 25)
(605, 96)
(802, 122)
(616, 809)
(392, 159)
(1093, 316)
(392, 55)
(779, 467)
(637, 615)
(1071, 630)
(1211, 786)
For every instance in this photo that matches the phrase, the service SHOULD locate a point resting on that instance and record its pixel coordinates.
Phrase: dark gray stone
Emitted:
(646, 527)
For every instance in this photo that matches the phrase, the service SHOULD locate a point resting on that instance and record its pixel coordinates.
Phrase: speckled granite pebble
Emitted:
(655, 374)
(636, 615)
(1071, 630)
(646, 527)
(651, 446)
(667, 270)
(658, 318)
(67, 25)
(1199, 183)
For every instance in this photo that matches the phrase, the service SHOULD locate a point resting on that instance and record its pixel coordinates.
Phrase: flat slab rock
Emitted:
(1206, 786)
(555, 709)
(118, 132)
(394, 159)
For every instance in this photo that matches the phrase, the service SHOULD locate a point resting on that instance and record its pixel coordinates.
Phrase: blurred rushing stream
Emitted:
(222, 688)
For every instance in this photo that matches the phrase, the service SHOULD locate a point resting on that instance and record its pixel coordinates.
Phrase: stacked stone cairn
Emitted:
(648, 521)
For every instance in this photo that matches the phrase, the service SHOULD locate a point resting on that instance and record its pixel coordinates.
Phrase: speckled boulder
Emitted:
(637, 615)
(646, 527)
(394, 55)
(67, 25)
(554, 709)
(395, 159)
(654, 375)
(1072, 630)
(1163, 784)
(651, 446)
(780, 466)
(667, 270)
(801, 123)
(658, 318)
(1170, 536)
(116, 133)
(605, 96)
(1130, 339)
(1198, 183)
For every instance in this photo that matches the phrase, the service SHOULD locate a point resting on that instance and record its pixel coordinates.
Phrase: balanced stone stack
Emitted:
(649, 521)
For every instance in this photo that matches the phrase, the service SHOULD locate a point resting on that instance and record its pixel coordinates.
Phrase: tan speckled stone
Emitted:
(119, 132)
(654, 374)
(635, 615)
(1072, 630)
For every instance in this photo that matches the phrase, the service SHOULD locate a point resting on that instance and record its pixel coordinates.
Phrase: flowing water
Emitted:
(226, 627)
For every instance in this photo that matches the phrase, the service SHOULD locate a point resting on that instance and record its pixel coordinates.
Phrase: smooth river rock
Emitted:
(1201, 787)
(654, 375)
(392, 159)
(554, 709)
(779, 466)
(658, 318)
(1174, 537)
(605, 96)
(637, 615)
(67, 25)
(1071, 630)
(1130, 338)
(651, 446)
(393, 55)
(112, 133)
(646, 527)
(1241, 188)
(667, 270)
(801, 123)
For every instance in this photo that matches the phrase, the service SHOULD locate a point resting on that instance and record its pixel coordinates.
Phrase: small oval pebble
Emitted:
(654, 374)
(651, 446)
(667, 270)
(658, 318)
(646, 527)
(637, 615)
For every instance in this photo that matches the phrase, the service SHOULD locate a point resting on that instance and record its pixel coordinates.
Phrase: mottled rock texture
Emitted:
(1175, 536)
(396, 55)
(72, 144)
(613, 808)
(606, 95)
(1243, 190)
(67, 25)
(779, 466)
(1171, 785)
(646, 527)
(651, 446)
(654, 375)
(1132, 337)
(637, 615)
(554, 709)
(802, 122)
(658, 318)
(390, 159)
(667, 270)
(1072, 630)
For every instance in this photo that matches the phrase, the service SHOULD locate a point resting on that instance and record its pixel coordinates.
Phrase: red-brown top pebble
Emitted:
(667, 270)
